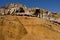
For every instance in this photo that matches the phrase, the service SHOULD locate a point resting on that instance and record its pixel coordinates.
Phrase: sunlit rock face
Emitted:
(20, 9)
(15, 5)
(45, 14)
(1, 11)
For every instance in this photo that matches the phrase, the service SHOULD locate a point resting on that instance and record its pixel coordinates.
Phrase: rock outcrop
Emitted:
(22, 10)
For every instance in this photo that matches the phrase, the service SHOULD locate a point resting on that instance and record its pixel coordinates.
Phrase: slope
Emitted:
(11, 28)
(40, 29)
(28, 28)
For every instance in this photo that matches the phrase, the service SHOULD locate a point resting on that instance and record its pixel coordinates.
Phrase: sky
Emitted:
(50, 5)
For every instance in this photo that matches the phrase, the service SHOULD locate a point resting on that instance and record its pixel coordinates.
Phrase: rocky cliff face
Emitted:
(19, 9)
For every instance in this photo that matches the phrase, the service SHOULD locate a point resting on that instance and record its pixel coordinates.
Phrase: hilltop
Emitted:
(17, 22)
(22, 10)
